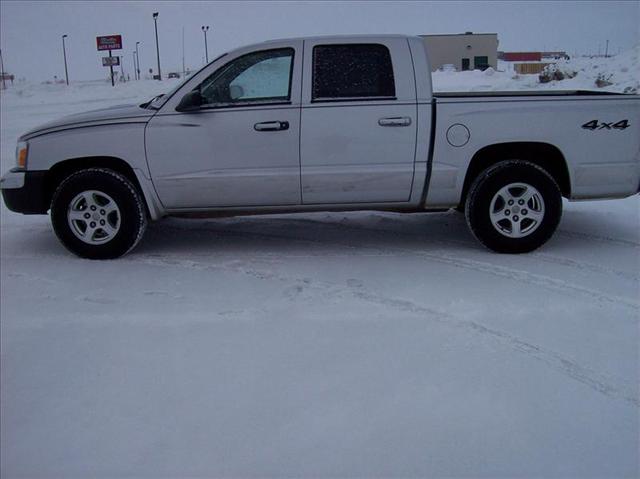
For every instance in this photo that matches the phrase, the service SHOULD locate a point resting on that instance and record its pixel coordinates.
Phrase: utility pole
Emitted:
(135, 67)
(606, 51)
(64, 53)
(4, 85)
(111, 68)
(155, 21)
(206, 50)
(138, 60)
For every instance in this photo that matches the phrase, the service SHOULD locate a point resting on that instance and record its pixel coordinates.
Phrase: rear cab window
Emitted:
(345, 72)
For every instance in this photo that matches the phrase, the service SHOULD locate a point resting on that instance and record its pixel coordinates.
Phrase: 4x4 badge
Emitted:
(596, 125)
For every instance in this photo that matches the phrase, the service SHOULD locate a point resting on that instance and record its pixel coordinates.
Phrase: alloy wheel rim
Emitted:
(94, 217)
(517, 210)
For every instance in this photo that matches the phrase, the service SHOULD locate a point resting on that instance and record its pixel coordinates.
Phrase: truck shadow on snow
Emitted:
(344, 233)
(372, 233)
(351, 233)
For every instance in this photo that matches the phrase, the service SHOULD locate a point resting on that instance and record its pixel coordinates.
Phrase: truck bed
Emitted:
(517, 93)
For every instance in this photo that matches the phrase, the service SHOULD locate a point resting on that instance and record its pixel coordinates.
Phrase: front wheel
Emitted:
(98, 214)
(514, 207)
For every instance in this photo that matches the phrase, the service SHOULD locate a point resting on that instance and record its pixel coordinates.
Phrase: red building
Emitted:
(520, 56)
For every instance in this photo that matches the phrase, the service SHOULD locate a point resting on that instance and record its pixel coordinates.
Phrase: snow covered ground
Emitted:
(343, 344)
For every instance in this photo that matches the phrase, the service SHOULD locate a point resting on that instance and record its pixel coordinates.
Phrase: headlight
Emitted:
(22, 149)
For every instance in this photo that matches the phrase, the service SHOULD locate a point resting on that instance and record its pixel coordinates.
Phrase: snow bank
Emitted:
(621, 71)
(84, 92)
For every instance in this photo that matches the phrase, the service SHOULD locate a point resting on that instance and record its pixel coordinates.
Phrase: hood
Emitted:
(114, 114)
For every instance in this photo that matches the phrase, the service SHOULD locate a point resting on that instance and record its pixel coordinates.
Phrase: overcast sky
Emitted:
(30, 32)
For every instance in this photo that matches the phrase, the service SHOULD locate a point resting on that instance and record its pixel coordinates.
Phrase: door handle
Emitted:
(395, 121)
(271, 126)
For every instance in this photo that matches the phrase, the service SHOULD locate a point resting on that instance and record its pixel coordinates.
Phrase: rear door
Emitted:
(358, 122)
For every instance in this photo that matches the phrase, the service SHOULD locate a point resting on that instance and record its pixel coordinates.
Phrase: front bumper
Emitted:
(24, 191)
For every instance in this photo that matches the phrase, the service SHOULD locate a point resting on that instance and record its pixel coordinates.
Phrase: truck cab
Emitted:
(312, 130)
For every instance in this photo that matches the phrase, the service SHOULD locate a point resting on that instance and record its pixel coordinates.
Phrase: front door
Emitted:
(358, 133)
(241, 148)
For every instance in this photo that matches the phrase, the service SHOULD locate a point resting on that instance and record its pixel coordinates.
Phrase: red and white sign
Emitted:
(109, 42)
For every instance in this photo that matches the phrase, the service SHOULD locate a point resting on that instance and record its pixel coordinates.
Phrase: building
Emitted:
(528, 63)
(531, 56)
(529, 68)
(555, 55)
(465, 51)
(520, 56)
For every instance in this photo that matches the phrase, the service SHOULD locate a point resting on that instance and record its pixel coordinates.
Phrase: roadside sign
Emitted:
(109, 42)
(110, 61)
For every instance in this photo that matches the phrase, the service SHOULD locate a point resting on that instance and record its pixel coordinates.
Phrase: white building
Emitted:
(465, 51)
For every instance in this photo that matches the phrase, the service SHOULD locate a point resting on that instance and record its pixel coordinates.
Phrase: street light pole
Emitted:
(206, 50)
(155, 21)
(64, 53)
(183, 75)
(138, 60)
(135, 67)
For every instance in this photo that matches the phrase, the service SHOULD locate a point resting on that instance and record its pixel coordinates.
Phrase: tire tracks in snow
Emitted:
(609, 386)
(585, 266)
(535, 279)
(545, 257)
(522, 276)
(598, 238)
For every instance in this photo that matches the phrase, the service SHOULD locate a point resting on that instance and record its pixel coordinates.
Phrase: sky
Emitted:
(31, 32)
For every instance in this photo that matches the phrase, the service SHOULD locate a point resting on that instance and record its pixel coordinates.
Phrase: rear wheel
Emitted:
(98, 214)
(513, 207)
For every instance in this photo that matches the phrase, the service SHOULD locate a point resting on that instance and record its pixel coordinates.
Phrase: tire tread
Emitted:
(141, 209)
(472, 209)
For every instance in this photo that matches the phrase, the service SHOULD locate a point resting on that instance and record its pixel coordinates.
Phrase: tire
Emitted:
(98, 213)
(513, 207)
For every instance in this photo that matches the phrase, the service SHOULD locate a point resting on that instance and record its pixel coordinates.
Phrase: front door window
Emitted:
(258, 77)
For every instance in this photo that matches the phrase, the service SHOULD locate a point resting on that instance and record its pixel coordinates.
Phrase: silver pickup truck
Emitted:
(326, 123)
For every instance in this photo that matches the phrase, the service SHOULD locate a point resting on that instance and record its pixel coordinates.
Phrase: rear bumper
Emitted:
(23, 192)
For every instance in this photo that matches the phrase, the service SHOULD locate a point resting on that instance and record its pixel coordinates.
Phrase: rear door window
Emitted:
(352, 72)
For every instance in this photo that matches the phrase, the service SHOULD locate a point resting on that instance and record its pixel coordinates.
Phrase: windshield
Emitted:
(157, 101)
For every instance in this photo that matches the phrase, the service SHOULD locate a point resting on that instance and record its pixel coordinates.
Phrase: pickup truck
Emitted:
(326, 124)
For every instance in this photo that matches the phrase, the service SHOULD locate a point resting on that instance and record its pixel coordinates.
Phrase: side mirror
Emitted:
(235, 92)
(190, 102)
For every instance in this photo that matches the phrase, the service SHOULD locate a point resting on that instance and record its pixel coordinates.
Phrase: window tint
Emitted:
(263, 76)
(352, 71)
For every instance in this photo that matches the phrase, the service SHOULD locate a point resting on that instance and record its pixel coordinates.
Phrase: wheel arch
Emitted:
(544, 155)
(61, 170)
